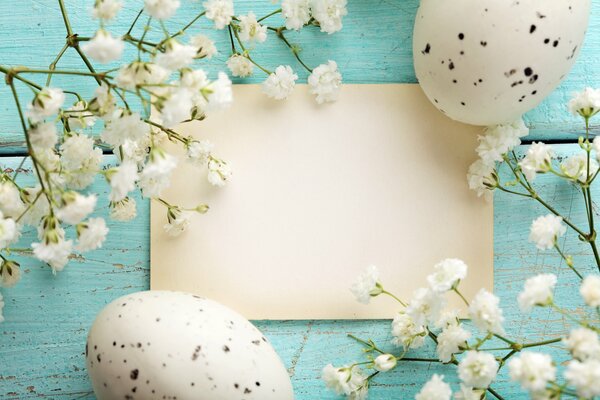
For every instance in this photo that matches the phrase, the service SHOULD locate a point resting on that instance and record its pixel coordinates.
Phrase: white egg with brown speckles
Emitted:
(172, 345)
(487, 62)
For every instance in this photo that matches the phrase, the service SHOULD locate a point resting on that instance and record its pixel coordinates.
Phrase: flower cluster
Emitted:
(133, 113)
(482, 347)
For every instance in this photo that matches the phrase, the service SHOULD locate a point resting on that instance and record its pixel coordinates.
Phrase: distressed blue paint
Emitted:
(374, 47)
(41, 344)
(42, 341)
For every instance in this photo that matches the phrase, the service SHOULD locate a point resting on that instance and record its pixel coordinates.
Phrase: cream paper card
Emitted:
(320, 192)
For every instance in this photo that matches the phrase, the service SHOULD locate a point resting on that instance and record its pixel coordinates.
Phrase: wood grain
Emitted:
(47, 317)
(375, 46)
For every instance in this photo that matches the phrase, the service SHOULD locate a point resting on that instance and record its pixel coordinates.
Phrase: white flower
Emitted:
(78, 118)
(80, 160)
(91, 234)
(251, 30)
(103, 47)
(8, 231)
(447, 274)
(104, 102)
(240, 65)
(590, 290)
(343, 380)
(219, 11)
(447, 318)
(124, 210)
(43, 135)
(56, 254)
(583, 343)
(538, 159)
(155, 177)
(596, 143)
(46, 103)
(499, 140)
(176, 108)
(468, 393)
(435, 389)
(205, 46)
(125, 126)
(218, 172)
(538, 291)
(385, 362)
(482, 178)
(329, 14)
(584, 376)
(425, 306)
(10, 273)
(585, 103)
(546, 230)
(280, 84)
(406, 333)
(366, 285)
(161, 9)
(1, 308)
(199, 151)
(122, 181)
(486, 313)
(176, 55)
(220, 94)
(576, 167)
(450, 340)
(477, 369)
(532, 370)
(106, 9)
(178, 221)
(296, 13)
(37, 209)
(76, 207)
(193, 80)
(325, 82)
(140, 73)
(11, 204)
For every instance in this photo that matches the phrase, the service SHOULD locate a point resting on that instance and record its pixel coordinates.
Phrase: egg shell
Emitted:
(173, 345)
(486, 62)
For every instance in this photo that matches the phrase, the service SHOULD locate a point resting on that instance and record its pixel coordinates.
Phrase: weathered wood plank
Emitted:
(42, 341)
(374, 47)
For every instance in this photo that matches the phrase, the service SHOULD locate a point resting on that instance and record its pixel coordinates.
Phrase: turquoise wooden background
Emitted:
(42, 341)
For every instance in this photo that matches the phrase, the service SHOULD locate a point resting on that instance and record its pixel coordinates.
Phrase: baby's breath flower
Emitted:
(280, 84)
(583, 343)
(205, 46)
(240, 66)
(590, 290)
(538, 291)
(43, 135)
(156, 175)
(576, 167)
(385, 362)
(546, 230)
(178, 221)
(124, 210)
(106, 9)
(103, 47)
(344, 380)
(450, 340)
(538, 159)
(219, 11)
(45, 104)
(406, 333)
(161, 9)
(75, 207)
(532, 370)
(477, 369)
(296, 13)
(486, 313)
(585, 103)
(482, 178)
(251, 30)
(176, 55)
(447, 274)
(435, 389)
(584, 376)
(10, 273)
(91, 234)
(329, 14)
(218, 172)
(500, 139)
(325, 82)
(367, 285)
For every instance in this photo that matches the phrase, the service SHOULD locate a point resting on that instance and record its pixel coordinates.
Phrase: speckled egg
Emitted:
(486, 62)
(172, 345)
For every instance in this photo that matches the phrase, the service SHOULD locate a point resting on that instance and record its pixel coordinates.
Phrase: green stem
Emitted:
(543, 343)
(568, 261)
(139, 14)
(369, 344)
(513, 192)
(63, 11)
(293, 49)
(269, 15)
(461, 296)
(52, 66)
(394, 297)
(88, 64)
